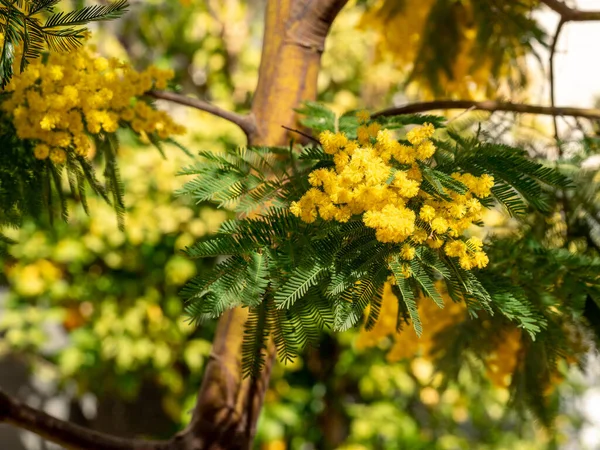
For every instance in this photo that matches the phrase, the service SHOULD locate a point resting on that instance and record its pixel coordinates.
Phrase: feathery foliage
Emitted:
(326, 274)
(519, 180)
(29, 186)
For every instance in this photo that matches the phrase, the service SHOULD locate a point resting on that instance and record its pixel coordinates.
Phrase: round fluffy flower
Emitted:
(363, 116)
(407, 252)
(419, 236)
(296, 209)
(475, 243)
(328, 142)
(420, 134)
(427, 213)
(435, 242)
(406, 188)
(455, 248)
(58, 156)
(483, 186)
(392, 223)
(362, 135)
(439, 225)
(41, 151)
(425, 150)
(466, 262)
(480, 259)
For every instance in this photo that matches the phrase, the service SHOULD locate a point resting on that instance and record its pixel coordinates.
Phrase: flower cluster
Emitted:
(59, 102)
(407, 344)
(500, 363)
(503, 362)
(380, 178)
(503, 352)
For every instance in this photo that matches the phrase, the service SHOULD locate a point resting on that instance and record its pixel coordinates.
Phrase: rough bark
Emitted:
(294, 40)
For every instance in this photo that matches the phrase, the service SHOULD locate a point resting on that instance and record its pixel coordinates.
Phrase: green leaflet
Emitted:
(424, 276)
(254, 345)
(351, 305)
(257, 279)
(298, 284)
(437, 183)
(407, 296)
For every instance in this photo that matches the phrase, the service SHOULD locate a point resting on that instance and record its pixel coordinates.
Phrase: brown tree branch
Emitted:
(551, 76)
(569, 14)
(491, 106)
(245, 122)
(67, 434)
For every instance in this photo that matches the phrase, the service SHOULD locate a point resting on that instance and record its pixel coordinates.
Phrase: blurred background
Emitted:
(91, 326)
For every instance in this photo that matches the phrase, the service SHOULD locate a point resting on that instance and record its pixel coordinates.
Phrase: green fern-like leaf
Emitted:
(87, 14)
(349, 307)
(317, 117)
(298, 284)
(254, 343)
(207, 296)
(424, 276)
(257, 279)
(514, 172)
(407, 296)
(113, 177)
(283, 334)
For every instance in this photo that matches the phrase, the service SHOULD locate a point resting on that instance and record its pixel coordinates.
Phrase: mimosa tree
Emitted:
(362, 219)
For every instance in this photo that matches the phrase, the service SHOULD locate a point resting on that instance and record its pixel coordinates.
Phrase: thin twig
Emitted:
(490, 105)
(245, 122)
(466, 111)
(551, 76)
(308, 136)
(569, 14)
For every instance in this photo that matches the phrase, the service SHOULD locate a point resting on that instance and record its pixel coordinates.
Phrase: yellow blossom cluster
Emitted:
(62, 100)
(503, 362)
(386, 323)
(472, 74)
(500, 364)
(380, 178)
(407, 344)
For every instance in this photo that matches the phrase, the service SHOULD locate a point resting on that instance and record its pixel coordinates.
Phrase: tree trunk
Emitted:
(295, 31)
